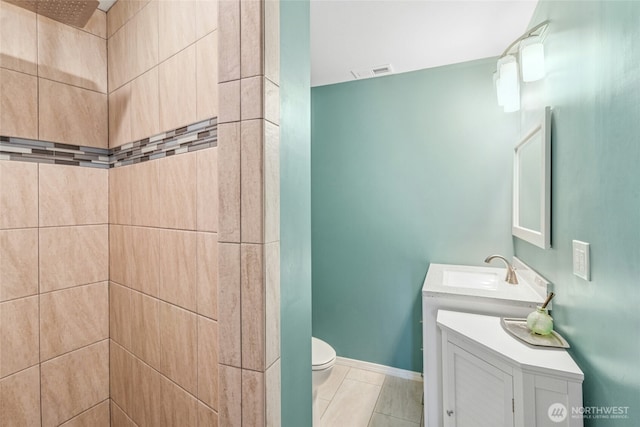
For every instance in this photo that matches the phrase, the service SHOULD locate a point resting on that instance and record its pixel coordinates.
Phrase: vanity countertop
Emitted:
(524, 291)
(487, 332)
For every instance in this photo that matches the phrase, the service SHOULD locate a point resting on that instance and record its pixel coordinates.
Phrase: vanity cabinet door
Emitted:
(475, 392)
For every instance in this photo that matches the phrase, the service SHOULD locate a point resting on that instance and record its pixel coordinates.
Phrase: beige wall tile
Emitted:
(121, 267)
(207, 76)
(207, 189)
(73, 318)
(230, 412)
(137, 5)
(177, 26)
(20, 397)
(253, 307)
(98, 416)
(119, 55)
(271, 102)
(206, 417)
(18, 194)
(145, 193)
(120, 195)
(146, 392)
(229, 182)
(18, 39)
(207, 275)
(18, 104)
(252, 98)
(274, 394)
(208, 361)
(229, 308)
(271, 182)
(229, 101)
(145, 261)
(19, 263)
(72, 115)
(121, 12)
(145, 328)
(74, 383)
(178, 349)
(165, 264)
(272, 40)
(120, 375)
(145, 111)
(164, 192)
(274, 388)
(144, 39)
(117, 15)
(253, 398)
(177, 267)
(18, 335)
(177, 80)
(206, 17)
(71, 195)
(229, 33)
(97, 24)
(178, 407)
(252, 181)
(119, 418)
(272, 302)
(251, 38)
(71, 256)
(120, 110)
(120, 315)
(72, 56)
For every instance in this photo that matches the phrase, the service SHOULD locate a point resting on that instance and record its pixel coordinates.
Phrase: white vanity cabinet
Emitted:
(491, 379)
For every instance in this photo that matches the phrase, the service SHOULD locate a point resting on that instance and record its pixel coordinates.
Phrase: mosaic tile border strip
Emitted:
(31, 150)
(197, 136)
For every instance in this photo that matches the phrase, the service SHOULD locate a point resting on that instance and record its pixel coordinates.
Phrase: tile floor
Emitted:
(354, 397)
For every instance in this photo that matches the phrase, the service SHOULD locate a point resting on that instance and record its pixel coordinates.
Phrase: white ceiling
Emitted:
(410, 35)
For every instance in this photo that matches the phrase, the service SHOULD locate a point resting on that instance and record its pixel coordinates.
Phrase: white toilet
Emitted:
(323, 357)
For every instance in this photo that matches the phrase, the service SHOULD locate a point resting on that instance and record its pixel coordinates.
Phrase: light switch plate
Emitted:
(581, 264)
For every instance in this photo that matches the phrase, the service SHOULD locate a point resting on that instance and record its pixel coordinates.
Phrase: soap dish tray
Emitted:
(518, 328)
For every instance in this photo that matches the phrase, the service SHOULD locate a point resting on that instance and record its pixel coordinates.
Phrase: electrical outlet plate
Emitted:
(581, 264)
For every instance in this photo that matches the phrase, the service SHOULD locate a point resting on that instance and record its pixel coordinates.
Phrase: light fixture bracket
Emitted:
(539, 30)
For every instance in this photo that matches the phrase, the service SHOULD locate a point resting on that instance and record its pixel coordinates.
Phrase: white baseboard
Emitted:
(381, 369)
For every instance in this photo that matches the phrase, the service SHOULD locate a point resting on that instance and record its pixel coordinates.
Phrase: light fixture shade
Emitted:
(532, 59)
(509, 83)
(498, 86)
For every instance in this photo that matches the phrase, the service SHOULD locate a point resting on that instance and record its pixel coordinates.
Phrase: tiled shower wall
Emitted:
(163, 58)
(163, 217)
(54, 320)
(53, 78)
(249, 213)
(163, 220)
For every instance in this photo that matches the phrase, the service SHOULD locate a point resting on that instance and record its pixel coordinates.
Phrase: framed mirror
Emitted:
(532, 184)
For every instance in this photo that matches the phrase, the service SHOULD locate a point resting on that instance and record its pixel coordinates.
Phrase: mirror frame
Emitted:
(540, 238)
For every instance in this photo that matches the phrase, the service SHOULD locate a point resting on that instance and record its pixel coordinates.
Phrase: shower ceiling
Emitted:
(105, 5)
(410, 35)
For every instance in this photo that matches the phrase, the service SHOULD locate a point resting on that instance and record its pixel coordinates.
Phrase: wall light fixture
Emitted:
(507, 77)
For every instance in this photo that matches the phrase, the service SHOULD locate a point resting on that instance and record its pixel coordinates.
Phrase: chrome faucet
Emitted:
(511, 272)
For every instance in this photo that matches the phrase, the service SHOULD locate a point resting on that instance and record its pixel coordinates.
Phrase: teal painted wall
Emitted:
(593, 83)
(295, 213)
(406, 170)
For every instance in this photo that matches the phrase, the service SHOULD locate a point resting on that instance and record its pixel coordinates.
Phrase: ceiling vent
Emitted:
(366, 73)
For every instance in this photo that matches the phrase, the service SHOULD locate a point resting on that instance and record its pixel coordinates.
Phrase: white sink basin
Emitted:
(468, 279)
